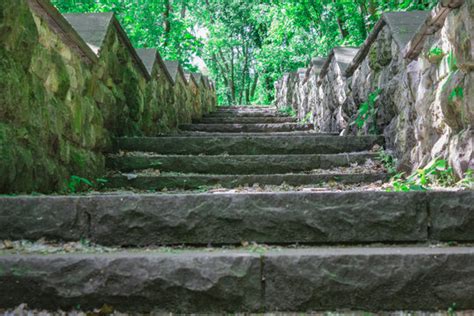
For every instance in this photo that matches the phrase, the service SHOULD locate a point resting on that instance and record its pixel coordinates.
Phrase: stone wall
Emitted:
(285, 93)
(422, 63)
(65, 93)
(50, 124)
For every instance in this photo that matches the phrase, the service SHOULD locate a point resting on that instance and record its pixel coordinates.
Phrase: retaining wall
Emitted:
(68, 86)
(422, 63)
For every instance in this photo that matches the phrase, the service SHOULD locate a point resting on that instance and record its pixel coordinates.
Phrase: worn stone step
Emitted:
(247, 120)
(253, 128)
(249, 145)
(245, 114)
(198, 181)
(272, 218)
(214, 134)
(237, 164)
(239, 281)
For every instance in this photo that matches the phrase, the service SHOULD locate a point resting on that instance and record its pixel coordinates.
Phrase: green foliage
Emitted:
(468, 180)
(148, 25)
(456, 94)
(288, 110)
(246, 44)
(78, 184)
(367, 113)
(437, 172)
(388, 161)
(435, 55)
(307, 118)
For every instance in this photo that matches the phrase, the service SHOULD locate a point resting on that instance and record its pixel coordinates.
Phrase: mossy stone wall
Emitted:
(50, 126)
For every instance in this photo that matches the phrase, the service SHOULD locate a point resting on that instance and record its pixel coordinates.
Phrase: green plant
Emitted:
(388, 161)
(367, 113)
(78, 184)
(468, 180)
(437, 172)
(287, 110)
(435, 55)
(307, 118)
(456, 94)
(452, 310)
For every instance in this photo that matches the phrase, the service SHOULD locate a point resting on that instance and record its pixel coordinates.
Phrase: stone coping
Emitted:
(63, 28)
(175, 69)
(431, 25)
(342, 55)
(93, 28)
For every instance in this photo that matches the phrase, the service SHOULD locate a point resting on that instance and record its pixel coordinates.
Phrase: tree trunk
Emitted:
(166, 21)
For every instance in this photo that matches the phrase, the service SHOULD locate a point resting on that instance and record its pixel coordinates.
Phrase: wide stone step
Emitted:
(197, 181)
(245, 114)
(238, 164)
(252, 128)
(214, 134)
(249, 145)
(247, 120)
(370, 279)
(272, 218)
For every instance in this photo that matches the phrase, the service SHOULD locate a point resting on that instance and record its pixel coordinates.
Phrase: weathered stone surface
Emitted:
(238, 164)
(133, 282)
(182, 96)
(239, 128)
(50, 126)
(249, 145)
(332, 113)
(120, 73)
(370, 279)
(452, 216)
(195, 182)
(285, 93)
(202, 219)
(247, 120)
(53, 218)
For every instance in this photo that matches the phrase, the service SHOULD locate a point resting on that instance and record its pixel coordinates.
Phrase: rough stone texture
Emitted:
(285, 92)
(181, 283)
(182, 95)
(332, 113)
(425, 106)
(242, 128)
(313, 90)
(247, 120)
(67, 86)
(195, 96)
(202, 219)
(239, 164)
(50, 125)
(120, 78)
(196, 182)
(370, 279)
(163, 115)
(249, 145)
(452, 216)
(53, 218)
(264, 218)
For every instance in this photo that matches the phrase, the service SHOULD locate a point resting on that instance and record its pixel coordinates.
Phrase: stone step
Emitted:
(239, 281)
(245, 114)
(310, 133)
(359, 217)
(249, 145)
(247, 120)
(198, 181)
(238, 164)
(252, 128)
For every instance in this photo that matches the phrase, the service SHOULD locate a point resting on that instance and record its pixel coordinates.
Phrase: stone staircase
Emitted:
(242, 212)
